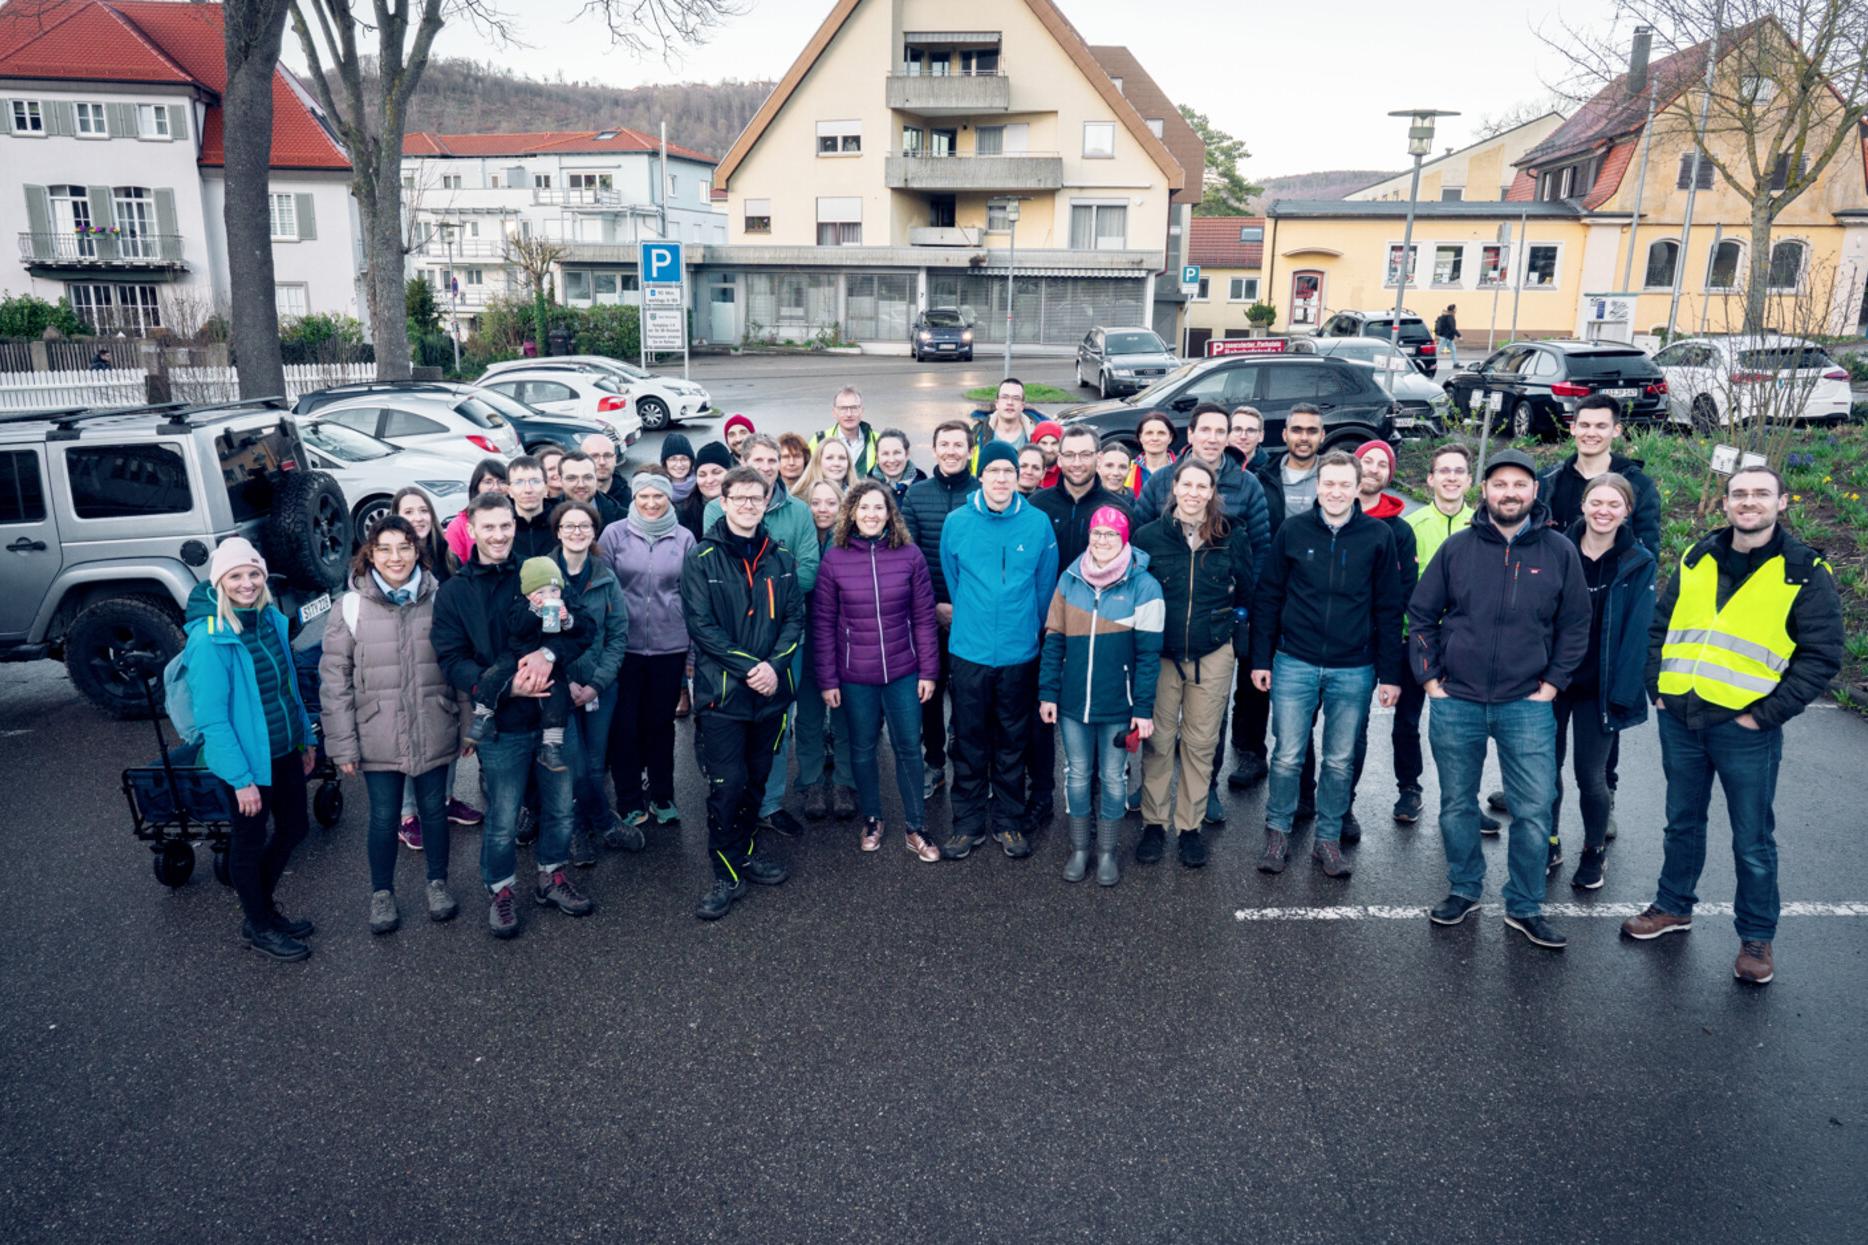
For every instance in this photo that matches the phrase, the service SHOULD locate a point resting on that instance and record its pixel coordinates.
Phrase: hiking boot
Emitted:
(292, 927)
(782, 822)
(1408, 807)
(960, 845)
(1652, 923)
(665, 814)
(817, 802)
(1016, 845)
(1153, 843)
(384, 916)
(1452, 910)
(583, 853)
(1540, 932)
(555, 889)
(1488, 825)
(1496, 802)
(762, 870)
(275, 944)
(1754, 966)
(1108, 842)
(525, 832)
(441, 905)
(481, 730)
(1041, 813)
(1248, 770)
(1215, 811)
(718, 900)
(1077, 867)
(1330, 856)
(462, 813)
(622, 835)
(935, 779)
(1192, 849)
(1554, 860)
(843, 804)
(922, 846)
(872, 834)
(1352, 830)
(502, 916)
(1588, 875)
(551, 757)
(1277, 851)
(410, 832)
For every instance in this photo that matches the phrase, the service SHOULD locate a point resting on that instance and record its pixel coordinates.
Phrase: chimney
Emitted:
(1637, 60)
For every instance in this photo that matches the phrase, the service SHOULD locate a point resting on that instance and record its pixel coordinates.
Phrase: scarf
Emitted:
(652, 530)
(399, 596)
(1102, 577)
(683, 486)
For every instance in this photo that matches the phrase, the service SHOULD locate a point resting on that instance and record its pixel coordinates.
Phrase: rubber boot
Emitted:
(1078, 866)
(1108, 835)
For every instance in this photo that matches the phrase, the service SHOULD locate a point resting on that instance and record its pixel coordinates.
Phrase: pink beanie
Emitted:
(1110, 517)
(234, 552)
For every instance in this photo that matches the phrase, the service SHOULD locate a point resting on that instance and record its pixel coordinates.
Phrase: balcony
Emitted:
(579, 198)
(109, 251)
(462, 248)
(937, 235)
(1036, 171)
(945, 95)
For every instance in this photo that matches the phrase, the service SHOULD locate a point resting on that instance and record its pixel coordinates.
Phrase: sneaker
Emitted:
(1042, 813)
(526, 832)
(292, 926)
(1153, 841)
(1540, 932)
(1555, 860)
(622, 835)
(718, 900)
(1277, 851)
(275, 943)
(665, 814)
(1215, 811)
(1248, 770)
(763, 870)
(441, 905)
(1016, 845)
(1488, 825)
(1754, 966)
(959, 846)
(555, 889)
(817, 803)
(384, 916)
(1496, 802)
(462, 813)
(843, 804)
(1408, 807)
(1652, 923)
(872, 835)
(636, 817)
(410, 832)
(782, 822)
(502, 915)
(685, 705)
(934, 781)
(1330, 856)
(1192, 847)
(1452, 910)
(1588, 875)
(551, 757)
(922, 847)
(481, 730)
(1352, 830)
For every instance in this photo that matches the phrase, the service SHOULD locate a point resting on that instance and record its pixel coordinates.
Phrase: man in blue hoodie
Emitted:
(999, 559)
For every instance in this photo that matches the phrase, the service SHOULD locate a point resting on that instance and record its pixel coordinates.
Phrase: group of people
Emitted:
(797, 595)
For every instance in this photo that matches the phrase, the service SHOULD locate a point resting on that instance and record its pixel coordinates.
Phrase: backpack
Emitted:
(178, 701)
(350, 606)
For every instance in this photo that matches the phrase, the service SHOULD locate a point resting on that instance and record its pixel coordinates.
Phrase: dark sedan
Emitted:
(941, 333)
(1534, 387)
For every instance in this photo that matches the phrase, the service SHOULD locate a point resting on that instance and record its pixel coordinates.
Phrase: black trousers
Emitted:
(256, 860)
(1251, 716)
(994, 709)
(934, 712)
(736, 756)
(1580, 734)
(1041, 768)
(642, 735)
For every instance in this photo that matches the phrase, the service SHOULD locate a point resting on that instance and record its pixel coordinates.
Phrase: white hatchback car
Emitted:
(1711, 380)
(601, 396)
(372, 471)
(459, 427)
(659, 400)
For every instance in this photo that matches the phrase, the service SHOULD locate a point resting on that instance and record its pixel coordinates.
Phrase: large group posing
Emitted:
(1039, 584)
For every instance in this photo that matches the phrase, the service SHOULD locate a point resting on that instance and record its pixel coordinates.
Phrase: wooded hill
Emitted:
(1331, 184)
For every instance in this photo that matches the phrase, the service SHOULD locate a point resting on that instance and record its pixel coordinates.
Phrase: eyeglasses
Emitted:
(1450, 471)
(1077, 456)
(847, 407)
(746, 499)
(575, 528)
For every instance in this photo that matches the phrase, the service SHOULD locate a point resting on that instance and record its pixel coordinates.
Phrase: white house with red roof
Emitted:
(112, 169)
(595, 193)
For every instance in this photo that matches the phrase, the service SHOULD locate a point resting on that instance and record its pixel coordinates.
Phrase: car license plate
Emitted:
(314, 608)
(945, 346)
(1621, 393)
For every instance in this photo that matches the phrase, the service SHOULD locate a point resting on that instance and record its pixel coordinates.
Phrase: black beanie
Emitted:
(676, 443)
(716, 453)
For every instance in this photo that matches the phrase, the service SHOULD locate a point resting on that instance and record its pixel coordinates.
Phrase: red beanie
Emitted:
(1049, 428)
(1382, 447)
(737, 419)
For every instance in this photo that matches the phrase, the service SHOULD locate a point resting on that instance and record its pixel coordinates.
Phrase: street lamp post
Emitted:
(1011, 265)
(454, 296)
(1419, 144)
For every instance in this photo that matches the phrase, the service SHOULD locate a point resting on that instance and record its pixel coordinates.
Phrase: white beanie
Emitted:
(235, 551)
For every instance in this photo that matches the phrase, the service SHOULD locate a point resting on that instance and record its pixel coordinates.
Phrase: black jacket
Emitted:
(1070, 517)
(1815, 623)
(925, 508)
(469, 634)
(1207, 594)
(619, 487)
(1491, 619)
(533, 537)
(1331, 598)
(609, 510)
(1445, 325)
(691, 512)
(741, 610)
(1627, 613)
(1560, 489)
(1264, 468)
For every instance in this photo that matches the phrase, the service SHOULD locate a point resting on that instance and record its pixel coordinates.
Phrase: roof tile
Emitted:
(1213, 241)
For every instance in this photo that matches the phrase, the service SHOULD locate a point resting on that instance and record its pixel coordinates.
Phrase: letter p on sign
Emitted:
(661, 263)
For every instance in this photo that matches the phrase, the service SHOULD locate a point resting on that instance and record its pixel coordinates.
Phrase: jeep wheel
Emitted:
(102, 633)
(654, 413)
(308, 537)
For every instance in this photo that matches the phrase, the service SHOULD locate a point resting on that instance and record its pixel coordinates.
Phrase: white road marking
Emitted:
(1379, 912)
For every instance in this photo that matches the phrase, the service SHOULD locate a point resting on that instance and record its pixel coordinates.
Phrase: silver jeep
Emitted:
(108, 518)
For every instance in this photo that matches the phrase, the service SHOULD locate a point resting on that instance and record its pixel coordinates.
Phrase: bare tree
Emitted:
(254, 30)
(1492, 124)
(1783, 94)
(535, 258)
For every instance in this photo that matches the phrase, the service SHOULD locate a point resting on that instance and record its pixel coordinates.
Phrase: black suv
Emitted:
(537, 429)
(1539, 384)
(1355, 408)
(1416, 340)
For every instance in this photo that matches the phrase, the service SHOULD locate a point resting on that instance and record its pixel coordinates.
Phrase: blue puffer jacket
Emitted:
(235, 745)
(1000, 567)
(1102, 646)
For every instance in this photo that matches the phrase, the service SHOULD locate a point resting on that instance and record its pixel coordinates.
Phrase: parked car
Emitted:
(1416, 339)
(1122, 360)
(1421, 406)
(941, 333)
(464, 428)
(536, 428)
(1539, 384)
(370, 471)
(559, 390)
(1712, 380)
(1355, 408)
(118, 512)
(659, 400)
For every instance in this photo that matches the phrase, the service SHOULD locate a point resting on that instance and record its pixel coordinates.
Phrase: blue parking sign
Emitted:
(660, 263)
(1190, 274)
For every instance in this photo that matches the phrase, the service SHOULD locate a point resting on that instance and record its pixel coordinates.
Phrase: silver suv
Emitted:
(108, 518)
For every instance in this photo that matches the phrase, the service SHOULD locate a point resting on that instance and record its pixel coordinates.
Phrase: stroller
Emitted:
(176, 803)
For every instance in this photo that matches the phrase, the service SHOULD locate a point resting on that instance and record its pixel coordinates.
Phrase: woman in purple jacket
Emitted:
(873, 641)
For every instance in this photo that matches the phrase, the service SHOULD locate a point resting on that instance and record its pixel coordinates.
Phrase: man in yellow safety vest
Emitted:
(1747, 634)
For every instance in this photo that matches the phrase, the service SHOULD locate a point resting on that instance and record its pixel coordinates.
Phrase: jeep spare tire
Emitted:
(308, 536)
(104, 632)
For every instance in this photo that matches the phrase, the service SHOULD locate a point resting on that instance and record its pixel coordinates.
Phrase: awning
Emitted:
(1126, 274)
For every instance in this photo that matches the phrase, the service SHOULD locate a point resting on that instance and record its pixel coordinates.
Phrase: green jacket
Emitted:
(788, 521)
(1431, 528)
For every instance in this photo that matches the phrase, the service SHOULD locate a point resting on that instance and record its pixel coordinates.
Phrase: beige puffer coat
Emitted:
(387, 706)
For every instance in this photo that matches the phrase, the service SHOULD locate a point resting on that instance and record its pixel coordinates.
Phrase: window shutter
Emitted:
(102, 218)
(169, 240)
(39, 221)
(307, 219)
(178, 121)
(121, 118)
(61, 118)
(1686, 171)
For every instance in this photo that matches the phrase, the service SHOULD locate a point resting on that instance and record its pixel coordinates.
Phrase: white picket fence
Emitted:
(222, 384)
(23, 391)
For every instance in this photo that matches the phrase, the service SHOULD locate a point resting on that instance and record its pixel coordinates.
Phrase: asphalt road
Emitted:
(882, 1049)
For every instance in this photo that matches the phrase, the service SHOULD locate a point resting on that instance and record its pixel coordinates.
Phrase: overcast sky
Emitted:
(1307, 86)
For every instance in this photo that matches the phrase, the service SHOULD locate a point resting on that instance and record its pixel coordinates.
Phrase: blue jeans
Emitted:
(1526, 734)
(586, 752)
(408, 791)
(1746, 765)
(774, 798)
(1298, 690)
(865, 706)
(815, 722)
(430, 792)
(1095, 746)
(506, 763)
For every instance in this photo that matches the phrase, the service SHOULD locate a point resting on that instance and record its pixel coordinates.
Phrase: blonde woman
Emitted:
(830, 463)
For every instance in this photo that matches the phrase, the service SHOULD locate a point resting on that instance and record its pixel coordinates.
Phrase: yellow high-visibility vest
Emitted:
(1732, 656)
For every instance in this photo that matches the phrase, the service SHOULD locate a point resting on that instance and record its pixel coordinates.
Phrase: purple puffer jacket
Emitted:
(872, 615)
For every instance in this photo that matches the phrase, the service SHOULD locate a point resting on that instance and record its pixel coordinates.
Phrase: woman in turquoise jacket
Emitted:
(255, 734)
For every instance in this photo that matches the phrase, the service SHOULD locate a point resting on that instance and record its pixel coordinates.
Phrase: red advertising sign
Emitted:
(1217, 346)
